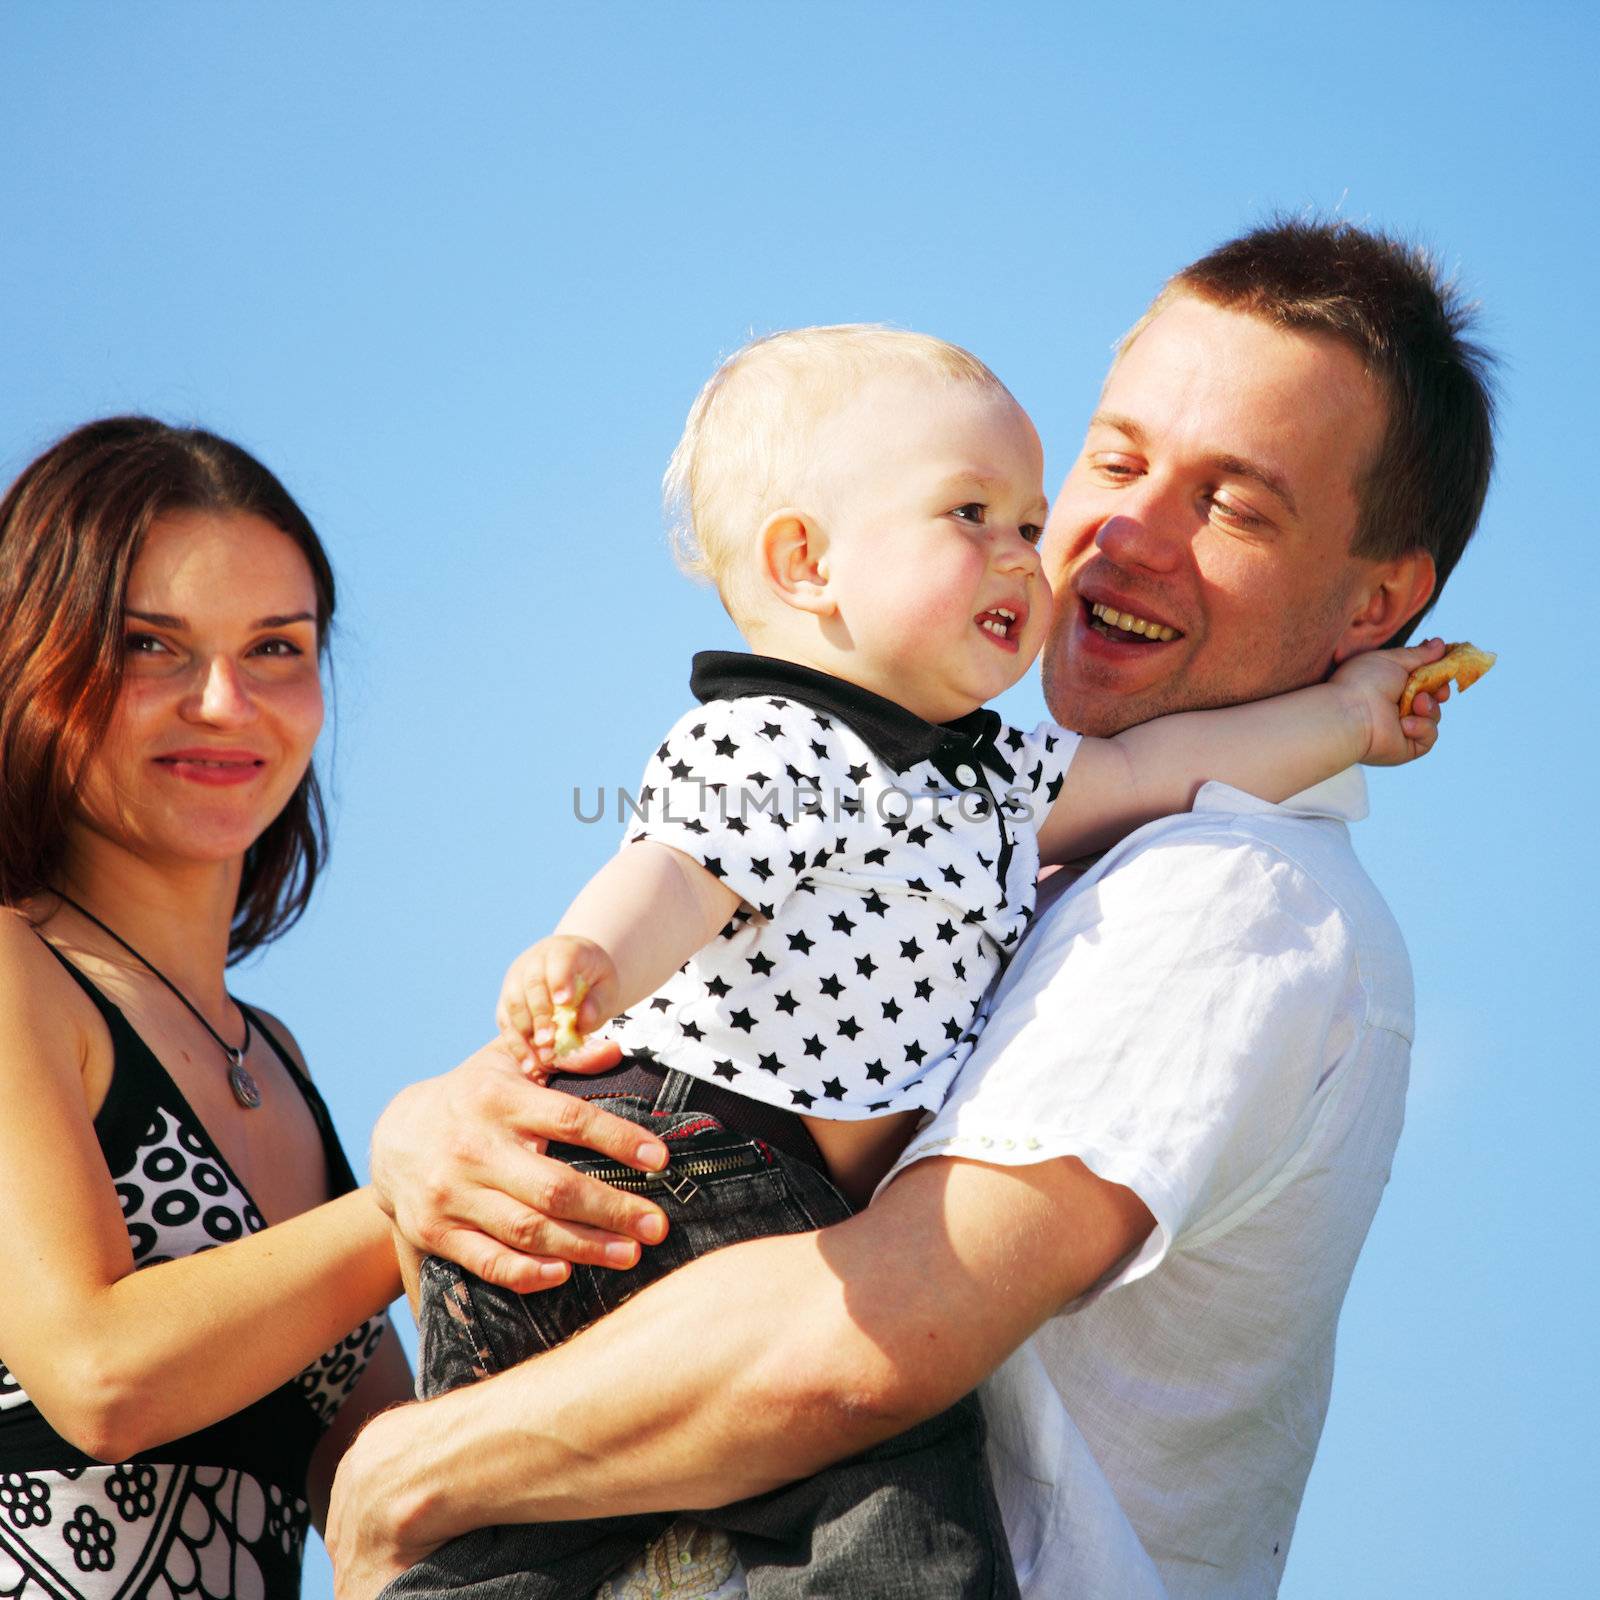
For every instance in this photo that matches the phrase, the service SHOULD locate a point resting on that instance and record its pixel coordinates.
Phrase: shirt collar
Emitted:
(1343, 797)
(899, 738)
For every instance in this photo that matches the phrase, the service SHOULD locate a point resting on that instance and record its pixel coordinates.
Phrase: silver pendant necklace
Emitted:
(244, 1086)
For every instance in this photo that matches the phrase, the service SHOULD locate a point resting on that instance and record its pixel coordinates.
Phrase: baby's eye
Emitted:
(972, 511)
(1033, 532)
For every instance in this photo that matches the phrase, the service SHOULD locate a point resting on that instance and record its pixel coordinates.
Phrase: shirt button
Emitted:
(965, 776)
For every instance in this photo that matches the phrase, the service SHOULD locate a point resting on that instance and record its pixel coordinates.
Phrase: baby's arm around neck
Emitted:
(1273, 748)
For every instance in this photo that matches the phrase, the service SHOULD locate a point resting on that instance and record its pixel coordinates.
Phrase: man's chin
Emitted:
(1101, 704)
(1077, 700)
(1100, 715)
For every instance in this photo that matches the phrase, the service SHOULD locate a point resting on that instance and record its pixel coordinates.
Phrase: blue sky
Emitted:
(456, 272)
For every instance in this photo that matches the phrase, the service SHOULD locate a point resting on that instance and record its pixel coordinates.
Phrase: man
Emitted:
(1164, 1156)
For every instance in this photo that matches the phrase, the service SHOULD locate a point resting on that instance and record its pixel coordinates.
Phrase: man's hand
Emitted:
(458, 1162)
(1372, 683)
(886, 1319)
(364, 1535)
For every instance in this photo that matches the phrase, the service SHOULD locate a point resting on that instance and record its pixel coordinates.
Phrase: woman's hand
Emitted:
(458, 1162)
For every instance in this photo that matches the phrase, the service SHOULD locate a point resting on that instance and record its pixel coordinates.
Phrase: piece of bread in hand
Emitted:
(567, 1037)
(1464, 663)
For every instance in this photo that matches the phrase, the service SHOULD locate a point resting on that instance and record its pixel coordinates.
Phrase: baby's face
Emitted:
(933, 504)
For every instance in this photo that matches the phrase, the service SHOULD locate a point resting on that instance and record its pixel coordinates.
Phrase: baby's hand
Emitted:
(555, 993)
(1373, 682)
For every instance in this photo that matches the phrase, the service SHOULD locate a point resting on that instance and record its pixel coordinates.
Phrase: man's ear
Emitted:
(1390, 595)
(794, 561)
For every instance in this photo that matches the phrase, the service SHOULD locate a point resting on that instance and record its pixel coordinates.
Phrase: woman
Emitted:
(194, 1284)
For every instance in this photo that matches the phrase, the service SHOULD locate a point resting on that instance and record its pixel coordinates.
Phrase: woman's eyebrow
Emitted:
(163, 619)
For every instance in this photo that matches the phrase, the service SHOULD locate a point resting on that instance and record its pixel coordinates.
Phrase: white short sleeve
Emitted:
(1040, 759)
(734, 786)
(1168, 1022)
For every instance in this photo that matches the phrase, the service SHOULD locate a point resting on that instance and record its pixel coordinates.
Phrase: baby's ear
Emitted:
(793, 551)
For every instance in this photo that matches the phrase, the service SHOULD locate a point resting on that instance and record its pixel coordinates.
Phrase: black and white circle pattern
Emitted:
(177, 1200)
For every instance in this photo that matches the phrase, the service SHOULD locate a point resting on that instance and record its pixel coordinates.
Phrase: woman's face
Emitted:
(221, 698)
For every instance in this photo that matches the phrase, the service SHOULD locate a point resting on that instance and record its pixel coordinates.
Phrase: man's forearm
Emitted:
(766, 1361)
(694, 1398)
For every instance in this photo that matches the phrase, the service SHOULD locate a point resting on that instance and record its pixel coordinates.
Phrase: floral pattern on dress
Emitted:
(147, 1531)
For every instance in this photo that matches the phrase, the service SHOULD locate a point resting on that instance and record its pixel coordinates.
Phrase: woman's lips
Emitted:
(213, 768)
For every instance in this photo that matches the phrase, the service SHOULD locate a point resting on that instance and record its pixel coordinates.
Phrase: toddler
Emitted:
(833, 856)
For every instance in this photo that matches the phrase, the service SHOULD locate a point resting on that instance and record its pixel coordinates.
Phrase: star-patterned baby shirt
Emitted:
(886, 867)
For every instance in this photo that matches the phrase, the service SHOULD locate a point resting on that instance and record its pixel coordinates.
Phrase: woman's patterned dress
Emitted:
(221, 1513)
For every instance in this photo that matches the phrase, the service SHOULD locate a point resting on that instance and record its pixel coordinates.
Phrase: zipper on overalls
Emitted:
(677, 1177)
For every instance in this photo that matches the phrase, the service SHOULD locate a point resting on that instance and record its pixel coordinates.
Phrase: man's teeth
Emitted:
(1132, 624)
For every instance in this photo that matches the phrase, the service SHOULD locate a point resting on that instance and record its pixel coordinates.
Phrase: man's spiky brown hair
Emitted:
(1388, 301)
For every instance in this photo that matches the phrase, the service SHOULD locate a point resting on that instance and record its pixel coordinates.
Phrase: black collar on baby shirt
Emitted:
(898, 737)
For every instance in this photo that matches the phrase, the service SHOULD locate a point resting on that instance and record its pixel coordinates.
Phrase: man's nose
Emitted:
(1148, 535)
(220, 696)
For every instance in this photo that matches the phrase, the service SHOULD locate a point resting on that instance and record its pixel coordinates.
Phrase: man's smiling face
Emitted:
(1200, 547)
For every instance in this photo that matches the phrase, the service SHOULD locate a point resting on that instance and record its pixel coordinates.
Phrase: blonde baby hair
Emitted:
(747, 447)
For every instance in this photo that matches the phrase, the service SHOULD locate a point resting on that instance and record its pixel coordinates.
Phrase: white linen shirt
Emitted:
(888, 868)
(1219, 1016)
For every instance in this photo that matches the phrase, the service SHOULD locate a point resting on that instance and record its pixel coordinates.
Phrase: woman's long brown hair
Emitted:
(70, 528)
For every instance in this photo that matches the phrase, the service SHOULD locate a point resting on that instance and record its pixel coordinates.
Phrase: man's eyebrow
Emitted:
(1123, 425)
(164, 619)
(1273, 482)
(1269, 478)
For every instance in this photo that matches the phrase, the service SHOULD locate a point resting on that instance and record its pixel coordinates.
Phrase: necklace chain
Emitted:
(245, 1089)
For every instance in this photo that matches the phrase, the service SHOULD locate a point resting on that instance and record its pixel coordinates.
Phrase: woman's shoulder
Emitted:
(38, 998)
(281, 1035)
(26, 959)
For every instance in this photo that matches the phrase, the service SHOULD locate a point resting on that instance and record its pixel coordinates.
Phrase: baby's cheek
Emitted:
(1043, 601)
